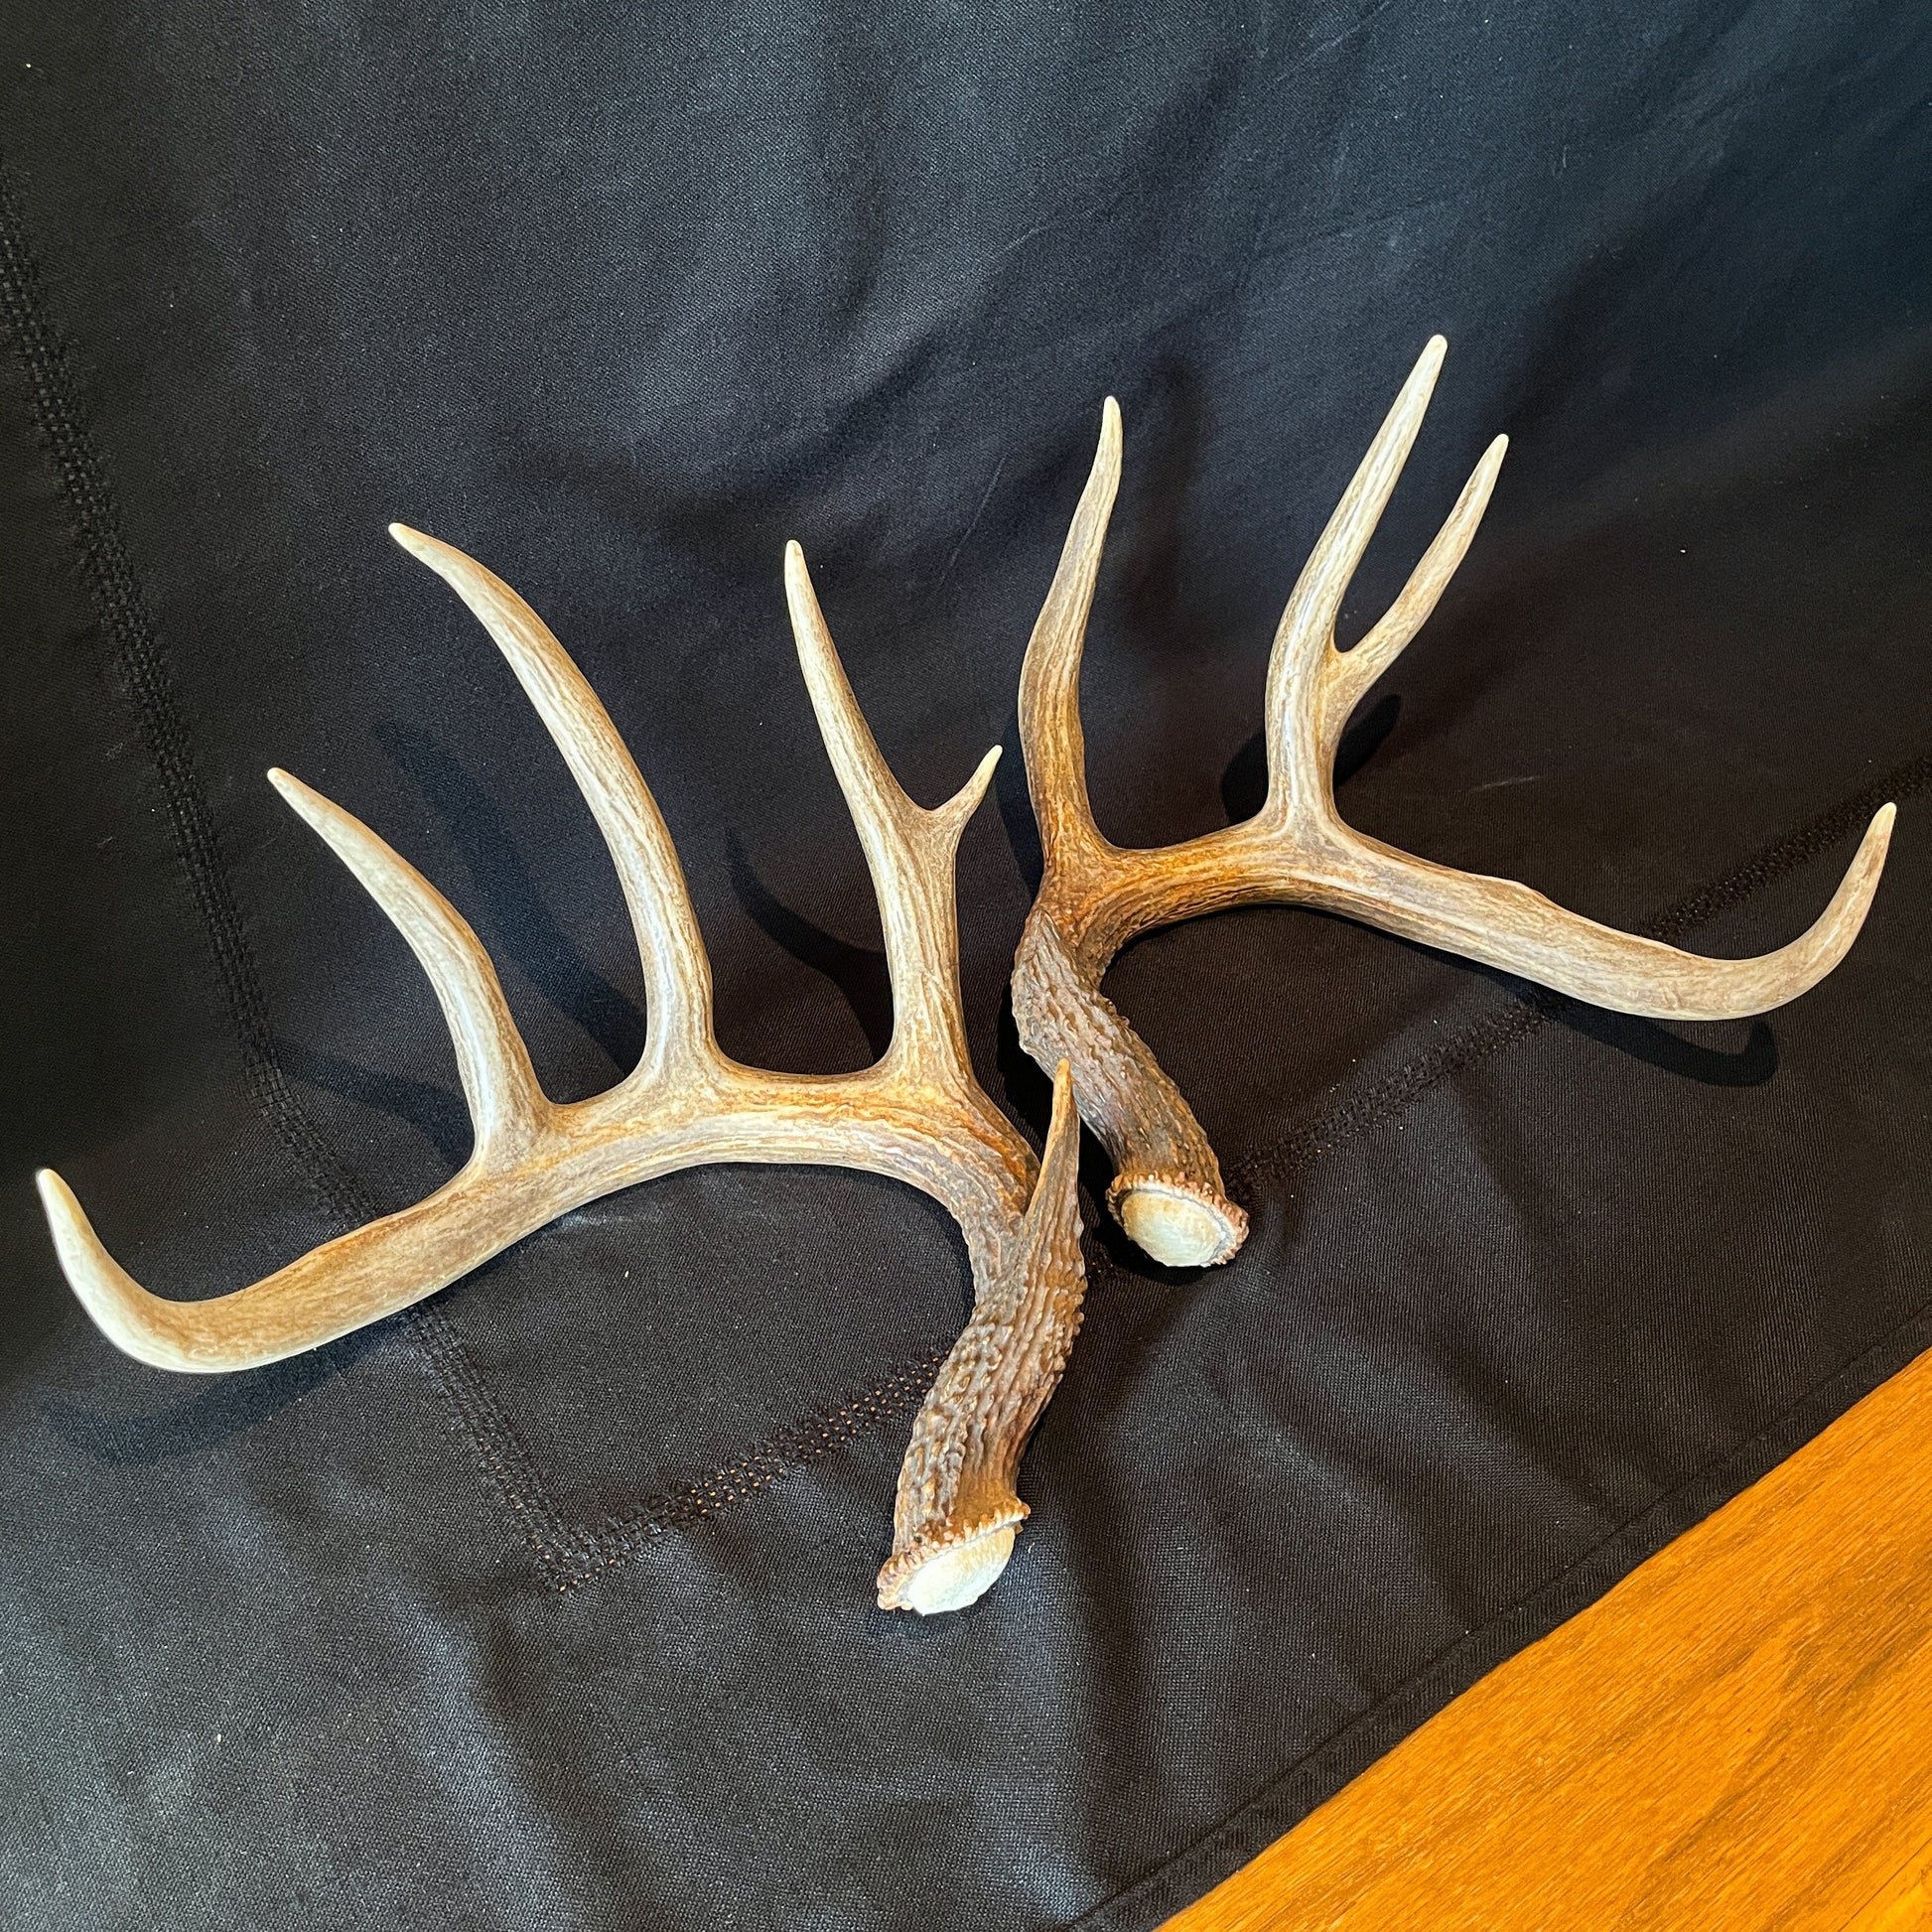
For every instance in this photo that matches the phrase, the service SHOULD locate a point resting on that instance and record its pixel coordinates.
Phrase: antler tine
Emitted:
(494, 1064)
(335, 1288)
(1296, 850)
(1049, 677)
(908, 850)
(1349, 673)
(1508, 926)
(677, 972)
(1304, 647)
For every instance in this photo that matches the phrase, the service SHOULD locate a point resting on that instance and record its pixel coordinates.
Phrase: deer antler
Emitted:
(918, 1115)
(1095, 896)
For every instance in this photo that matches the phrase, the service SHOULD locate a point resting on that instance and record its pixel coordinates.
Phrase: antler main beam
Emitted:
(1095, 896)
(918, 1115)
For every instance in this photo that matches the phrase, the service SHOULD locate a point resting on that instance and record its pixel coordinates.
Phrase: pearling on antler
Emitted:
(918, 1115)
(1095, 896)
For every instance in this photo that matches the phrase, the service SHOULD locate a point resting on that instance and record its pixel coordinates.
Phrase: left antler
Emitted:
(918, 1115)
(1095, 896)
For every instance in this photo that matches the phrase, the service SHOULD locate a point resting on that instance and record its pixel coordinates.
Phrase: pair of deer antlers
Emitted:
(919, 1115)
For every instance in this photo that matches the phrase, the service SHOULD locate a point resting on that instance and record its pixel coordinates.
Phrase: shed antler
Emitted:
(1095, 896)
(918, 1115)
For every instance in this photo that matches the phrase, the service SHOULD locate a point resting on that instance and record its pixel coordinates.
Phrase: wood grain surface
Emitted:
(1739, 1735)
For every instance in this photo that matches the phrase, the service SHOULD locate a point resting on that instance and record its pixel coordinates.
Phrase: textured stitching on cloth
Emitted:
(583, 1552)
(143, 676)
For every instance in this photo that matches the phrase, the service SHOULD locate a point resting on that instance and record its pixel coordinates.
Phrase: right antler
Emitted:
(918, 1115)
(1095, 896)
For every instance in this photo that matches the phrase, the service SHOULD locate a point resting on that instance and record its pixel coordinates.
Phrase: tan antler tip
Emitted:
(308, 804)
(1838, 925)
(974, 789)
(136, 1322)
(1867, 862)
(454, 566)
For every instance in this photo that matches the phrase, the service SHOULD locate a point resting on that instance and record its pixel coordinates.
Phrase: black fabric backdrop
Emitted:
(550, 1603)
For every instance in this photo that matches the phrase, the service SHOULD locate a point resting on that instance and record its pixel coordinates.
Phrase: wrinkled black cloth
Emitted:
(550, 1603)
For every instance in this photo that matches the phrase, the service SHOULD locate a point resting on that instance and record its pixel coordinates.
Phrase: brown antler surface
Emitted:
(1095, 896)
(918, 1115)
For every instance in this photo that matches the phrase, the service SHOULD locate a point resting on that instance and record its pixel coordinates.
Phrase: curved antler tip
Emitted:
(966, 800)
(299, 799)
(1420, 385)
(120, 1307)
(65, 1221)
(307, 803)
(1869, 858)
(454, 566)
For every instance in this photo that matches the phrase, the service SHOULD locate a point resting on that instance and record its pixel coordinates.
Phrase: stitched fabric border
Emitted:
(586, 1550)
(143, 676)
